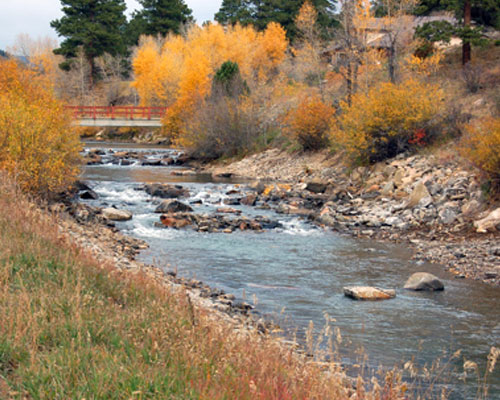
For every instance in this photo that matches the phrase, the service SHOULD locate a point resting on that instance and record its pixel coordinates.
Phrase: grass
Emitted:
(73, 327)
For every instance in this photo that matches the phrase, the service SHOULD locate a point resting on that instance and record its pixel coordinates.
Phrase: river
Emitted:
(296, 273)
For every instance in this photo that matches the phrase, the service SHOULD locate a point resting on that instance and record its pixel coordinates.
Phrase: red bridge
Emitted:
(101, 116)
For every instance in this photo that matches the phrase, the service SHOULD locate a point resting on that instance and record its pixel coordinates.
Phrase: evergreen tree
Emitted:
(94, 25)
(261, 12)
(235, 11)
(483, 12)
(158, 17)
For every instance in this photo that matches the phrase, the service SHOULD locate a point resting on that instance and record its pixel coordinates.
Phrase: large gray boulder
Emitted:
(114, 214)
(172, 206)
(368, 293)
(423, 281)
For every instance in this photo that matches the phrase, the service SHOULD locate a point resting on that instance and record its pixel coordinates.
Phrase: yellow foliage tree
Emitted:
(388, 119)
(178, 71)
(37, 144)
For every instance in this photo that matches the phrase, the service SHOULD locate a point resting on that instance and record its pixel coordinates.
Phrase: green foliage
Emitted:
(435, 31)
(227, 72)
(484, 12)
(228, 81)
(234, 11)
(425, 7)
(95, 25)
(158, 17)
(261, 12)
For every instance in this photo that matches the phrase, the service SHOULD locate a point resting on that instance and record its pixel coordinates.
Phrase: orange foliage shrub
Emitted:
(178, 72)
(37, 144)
(309, 123)
(481, 144)
(388, 119)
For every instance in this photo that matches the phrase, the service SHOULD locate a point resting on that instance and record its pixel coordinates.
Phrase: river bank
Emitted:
(430, 202)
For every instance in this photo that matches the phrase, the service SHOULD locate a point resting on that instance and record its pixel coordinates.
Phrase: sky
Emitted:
(33, 16)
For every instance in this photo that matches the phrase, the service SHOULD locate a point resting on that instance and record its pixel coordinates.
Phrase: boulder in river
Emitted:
(89, 195)
(249, 200)
(423, 281)
(172, 206)
(151, 163)
(114, 214)
(166, 191)
(171, 221)
(369, 293)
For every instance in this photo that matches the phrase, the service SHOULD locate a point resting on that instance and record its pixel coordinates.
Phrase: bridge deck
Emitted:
(107, 123)
(117, 116)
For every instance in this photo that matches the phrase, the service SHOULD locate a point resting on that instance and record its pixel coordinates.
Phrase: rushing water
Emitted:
(302, 269)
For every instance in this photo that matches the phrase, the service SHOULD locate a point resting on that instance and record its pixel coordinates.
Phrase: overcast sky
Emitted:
(33, 16)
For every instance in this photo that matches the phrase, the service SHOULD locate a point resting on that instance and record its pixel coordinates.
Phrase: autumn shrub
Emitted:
(389, 119)
(37, 145)
(309, 123)
(223, 126)
(481, 145)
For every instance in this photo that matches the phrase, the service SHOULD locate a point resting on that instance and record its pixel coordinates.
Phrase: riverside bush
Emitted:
(388, 119)
(481, 145)
(37, 145)
(226, 122)
(309, 123)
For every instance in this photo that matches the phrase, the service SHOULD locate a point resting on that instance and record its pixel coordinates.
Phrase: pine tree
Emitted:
(234, 11)
(261, 12)
(483, 12)
(94, 25)
(159, 17)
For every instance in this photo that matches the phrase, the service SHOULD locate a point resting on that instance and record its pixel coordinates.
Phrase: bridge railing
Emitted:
(117, 112)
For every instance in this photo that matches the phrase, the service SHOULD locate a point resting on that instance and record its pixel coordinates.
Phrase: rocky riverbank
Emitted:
(430, 202)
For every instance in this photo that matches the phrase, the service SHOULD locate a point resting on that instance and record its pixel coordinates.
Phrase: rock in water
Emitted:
(172, 206)
(166, 191)
(423, 281)
(491, 222)
(116, 215)
(249, 200)
(89, 195)
(369, 293)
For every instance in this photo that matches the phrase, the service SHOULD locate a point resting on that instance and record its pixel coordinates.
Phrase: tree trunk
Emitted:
(349, 82)
(93, 71)
(466, 47)
(392, 63)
